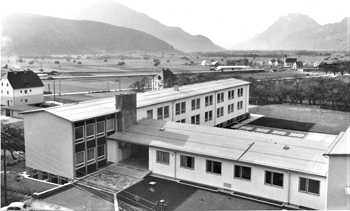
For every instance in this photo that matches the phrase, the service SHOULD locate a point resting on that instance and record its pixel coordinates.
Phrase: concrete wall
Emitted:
(49, 144)
(289, 193)
(338, 178)
(142, 112)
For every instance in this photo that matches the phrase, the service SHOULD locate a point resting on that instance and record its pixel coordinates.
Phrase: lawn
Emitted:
(302, 118)
(183, 197)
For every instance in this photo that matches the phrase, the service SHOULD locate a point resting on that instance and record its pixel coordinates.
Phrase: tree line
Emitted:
(322, 92)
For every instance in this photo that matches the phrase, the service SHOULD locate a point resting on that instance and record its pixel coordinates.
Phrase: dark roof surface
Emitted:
(24, 79)
(289, 60)
(168, 75)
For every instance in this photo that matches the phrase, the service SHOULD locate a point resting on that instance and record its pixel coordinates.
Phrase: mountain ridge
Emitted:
(37, 34)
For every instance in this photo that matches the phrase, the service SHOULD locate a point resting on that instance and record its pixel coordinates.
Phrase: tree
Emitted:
(139, 85)
(12, 138)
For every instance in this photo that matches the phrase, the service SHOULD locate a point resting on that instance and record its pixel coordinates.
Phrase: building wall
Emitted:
(142, 112)
(18, 96)
(338, 178)
(289, 193)
(42, 152)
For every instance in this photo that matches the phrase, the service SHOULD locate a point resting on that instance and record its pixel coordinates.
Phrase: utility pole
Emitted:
(59, 81)
(5, 176)
(54, 91)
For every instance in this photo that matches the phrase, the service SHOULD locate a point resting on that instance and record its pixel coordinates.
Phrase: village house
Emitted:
(164, 79)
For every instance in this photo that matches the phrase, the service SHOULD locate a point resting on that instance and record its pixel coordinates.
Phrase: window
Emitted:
(25, 91)
(100, 128)
(90, 131)
(209, 100)
(30, 90)
(163, 157)
(230, 108)
(213, 167)
(7, 92)
(182, 121)
(79, 159)
(195, 104)
(79, 134)
(309, 186)
(160, 113)
(180, 108)
(166, 112)
(240, 92)
(101, 152)
(187, 162)
(240, 105)
(195, 119)
(163, 110)
(242, 172)
(150, 114)
(7, 84)
(110, 124)
(220, 97)
(91, 155)
(273, 178)
(231, 94)
(220, 112)
(208, 116)
(20, 91)
(26, 100)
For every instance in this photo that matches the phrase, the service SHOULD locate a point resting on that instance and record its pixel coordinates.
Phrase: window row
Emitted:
(25, 91)
(92, 130)
(90, 156)
(2, 84)
(275, 179)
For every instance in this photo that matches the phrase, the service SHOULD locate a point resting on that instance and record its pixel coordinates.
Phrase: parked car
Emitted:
(15, 206)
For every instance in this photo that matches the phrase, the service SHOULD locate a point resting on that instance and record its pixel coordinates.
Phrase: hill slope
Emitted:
(34, 34)
(111, 12)
(297, 31)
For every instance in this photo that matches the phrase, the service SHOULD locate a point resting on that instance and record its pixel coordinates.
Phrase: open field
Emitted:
(302, 118)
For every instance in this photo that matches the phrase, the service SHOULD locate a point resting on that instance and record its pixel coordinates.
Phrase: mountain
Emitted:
(300, 32)
(112, 12)
(34, 34)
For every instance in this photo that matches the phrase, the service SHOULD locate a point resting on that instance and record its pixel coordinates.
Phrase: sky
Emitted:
(225, 22)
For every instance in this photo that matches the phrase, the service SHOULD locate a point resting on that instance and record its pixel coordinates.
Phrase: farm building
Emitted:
(21, 88)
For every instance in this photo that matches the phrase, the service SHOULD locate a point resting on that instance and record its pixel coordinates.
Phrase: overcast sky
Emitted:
(225, 22)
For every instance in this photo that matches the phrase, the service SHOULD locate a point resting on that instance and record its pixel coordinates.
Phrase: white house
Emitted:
(164, 79)
(21, 88)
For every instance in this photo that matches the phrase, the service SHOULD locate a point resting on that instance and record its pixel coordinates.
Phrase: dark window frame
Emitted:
(307, 183)
(241, 172)
(272, 179)
(161, 158)
(187, 161)
(211, 170)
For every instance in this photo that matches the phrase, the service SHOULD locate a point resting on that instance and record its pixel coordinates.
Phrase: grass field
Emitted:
(302, 118)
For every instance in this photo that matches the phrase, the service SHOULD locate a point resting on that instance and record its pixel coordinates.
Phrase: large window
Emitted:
(239, 105)
(230, 108)
(213, 167)
(220, 112)
(240, 92)
(195, 104)
(273, 178)
(209, 100)
(79, 159)
(208, 116)
(187, 162)
(90, 131)
(181, 121)
(150, 114)
(242, 172)
(309, 186)
(79, 134)
(163, 157)
(231, 94)
(180, 108)
(163, 112)
(91, 155)
(101, 152)
(220, 97)
(110, 124)
(195, 119)
(100, 128)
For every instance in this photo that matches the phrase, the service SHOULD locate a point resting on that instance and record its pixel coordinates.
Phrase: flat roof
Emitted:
(104, 106)
(22, 108)
(341, 146)
(83, 110)
(262, 149)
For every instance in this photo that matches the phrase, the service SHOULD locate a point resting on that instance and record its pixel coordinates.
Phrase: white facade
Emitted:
(289, 193)
(25, 96)
(238, 102)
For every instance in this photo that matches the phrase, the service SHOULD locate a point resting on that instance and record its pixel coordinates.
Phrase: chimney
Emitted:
(126, 118)
(176, 87)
